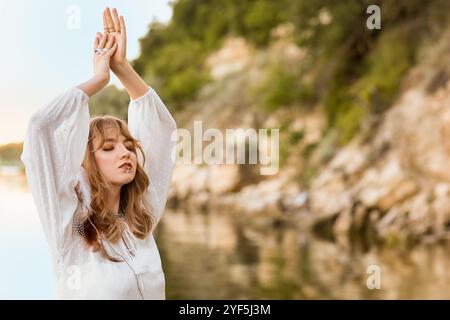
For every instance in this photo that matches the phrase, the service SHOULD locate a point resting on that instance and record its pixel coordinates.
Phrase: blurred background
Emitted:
(364, 122)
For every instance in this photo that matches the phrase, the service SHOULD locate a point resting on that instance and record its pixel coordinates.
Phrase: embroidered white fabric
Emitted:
(53, 151)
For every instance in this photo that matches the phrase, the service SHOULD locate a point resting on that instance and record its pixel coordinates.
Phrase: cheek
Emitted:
(133, 158)
(105, 161)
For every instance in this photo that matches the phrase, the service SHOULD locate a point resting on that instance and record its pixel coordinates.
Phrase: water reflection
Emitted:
(25, 269)
(212, 256)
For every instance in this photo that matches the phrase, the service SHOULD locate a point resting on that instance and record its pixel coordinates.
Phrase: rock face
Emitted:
(401, 178)
(191, 179)
(395, 182)
(234, 56)
(222, 105)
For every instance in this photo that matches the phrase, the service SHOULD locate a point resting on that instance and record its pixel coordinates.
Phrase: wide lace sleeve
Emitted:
(53, 151)
(150, 122)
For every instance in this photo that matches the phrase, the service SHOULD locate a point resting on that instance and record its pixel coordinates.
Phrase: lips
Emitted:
(127, 165)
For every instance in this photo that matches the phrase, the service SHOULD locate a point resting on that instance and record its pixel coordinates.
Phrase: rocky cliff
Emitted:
(392, 180)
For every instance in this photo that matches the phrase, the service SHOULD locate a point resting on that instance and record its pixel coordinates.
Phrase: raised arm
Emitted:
(149, 120)
(151, 123)
(115, 26)
(104, 48)
(54, 148)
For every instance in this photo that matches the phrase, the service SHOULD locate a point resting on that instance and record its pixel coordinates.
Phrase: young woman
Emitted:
(100, 185)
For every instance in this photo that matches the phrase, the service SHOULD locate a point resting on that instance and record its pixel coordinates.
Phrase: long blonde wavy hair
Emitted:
(99, 222)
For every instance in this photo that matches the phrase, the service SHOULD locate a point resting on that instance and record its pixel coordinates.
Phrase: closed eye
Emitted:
(129, 148)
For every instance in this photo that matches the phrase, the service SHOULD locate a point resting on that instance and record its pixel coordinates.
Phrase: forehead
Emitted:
(113, 135)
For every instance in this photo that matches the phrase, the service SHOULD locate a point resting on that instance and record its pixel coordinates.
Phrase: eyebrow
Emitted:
(114, 140)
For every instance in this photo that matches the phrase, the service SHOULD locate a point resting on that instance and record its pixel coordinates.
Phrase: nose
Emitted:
(126, 152)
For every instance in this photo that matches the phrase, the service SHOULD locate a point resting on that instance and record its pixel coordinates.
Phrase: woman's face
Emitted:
(116, 151)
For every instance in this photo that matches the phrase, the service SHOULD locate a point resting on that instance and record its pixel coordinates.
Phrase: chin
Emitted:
(127, 181)
(123, 182)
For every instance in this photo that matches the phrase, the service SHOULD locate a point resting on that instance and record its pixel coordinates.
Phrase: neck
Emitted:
(113, 199)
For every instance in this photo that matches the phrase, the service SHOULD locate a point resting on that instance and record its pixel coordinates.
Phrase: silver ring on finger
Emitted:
(100, 51)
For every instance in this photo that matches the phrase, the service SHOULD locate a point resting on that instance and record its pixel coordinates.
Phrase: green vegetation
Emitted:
(173, 56)
(349, 70)
(10, 154)
(111, 101)
(281, 88)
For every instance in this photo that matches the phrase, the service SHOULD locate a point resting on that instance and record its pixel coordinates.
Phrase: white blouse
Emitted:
(53, 151)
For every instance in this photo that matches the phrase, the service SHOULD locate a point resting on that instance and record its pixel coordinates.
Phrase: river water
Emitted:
(212, 256)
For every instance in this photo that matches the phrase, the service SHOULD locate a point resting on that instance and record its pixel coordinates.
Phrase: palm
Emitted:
(121, 52)
(115, 26)
(102, 60)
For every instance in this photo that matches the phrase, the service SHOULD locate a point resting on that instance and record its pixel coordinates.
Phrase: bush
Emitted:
(183, 86)
(10, 154)
(385, 66)
(111, 101)
(262, 16)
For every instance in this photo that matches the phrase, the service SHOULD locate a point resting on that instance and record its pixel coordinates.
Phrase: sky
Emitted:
(46, 48)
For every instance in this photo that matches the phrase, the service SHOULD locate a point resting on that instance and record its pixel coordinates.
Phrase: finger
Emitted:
(115, 17)
(101, 45)
(110, 42)
(112, 50)
(105, 22)
(99, 36)
(109, 20)
(123, 28)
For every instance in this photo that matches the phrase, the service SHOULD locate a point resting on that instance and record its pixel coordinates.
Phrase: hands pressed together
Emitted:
(110, 53)
(110, 47)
